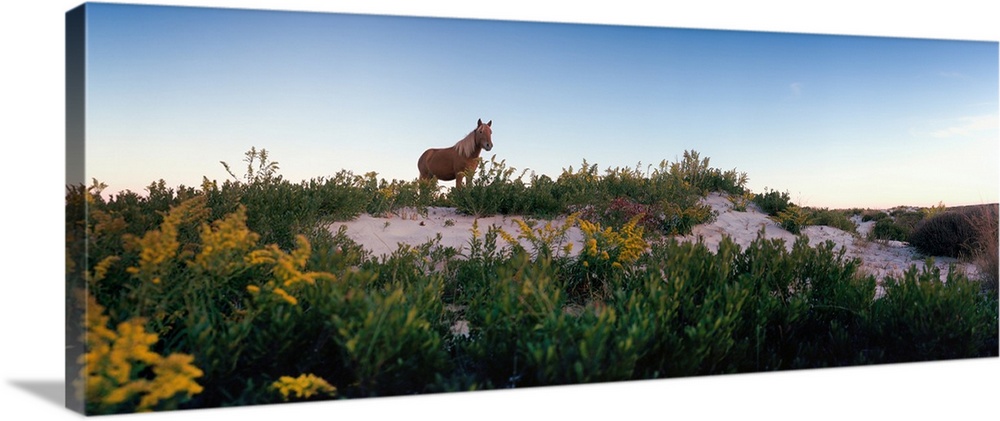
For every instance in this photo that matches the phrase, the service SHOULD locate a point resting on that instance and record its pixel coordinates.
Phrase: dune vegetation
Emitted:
(236, 293)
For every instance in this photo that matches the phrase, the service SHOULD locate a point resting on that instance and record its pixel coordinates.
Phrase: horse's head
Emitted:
(484, 135)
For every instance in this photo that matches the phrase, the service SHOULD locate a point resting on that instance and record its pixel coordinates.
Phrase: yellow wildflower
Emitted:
(526, 230)
(287, 267)
(159, 247)
(507, 237)
(303, 387)
(621, 247)
(174, 375)
(223, 242)
(285, 296)
(475, 228)
(111, 366)
(101, 268)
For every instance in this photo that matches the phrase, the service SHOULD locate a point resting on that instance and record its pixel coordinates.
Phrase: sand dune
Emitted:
(382, 235)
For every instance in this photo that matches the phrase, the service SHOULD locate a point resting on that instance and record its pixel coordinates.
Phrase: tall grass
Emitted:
(985, 253)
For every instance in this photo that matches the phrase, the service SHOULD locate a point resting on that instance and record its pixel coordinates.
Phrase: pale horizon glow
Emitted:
(836, 121)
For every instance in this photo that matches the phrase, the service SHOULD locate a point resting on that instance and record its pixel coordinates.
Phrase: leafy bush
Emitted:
(923, 317)
(678, 220)
(873, 216)
(834, 219)
(772, 202)
(949, 233)
(908, 218)
(540, 198)
(887, 229)
(740, 201)
(697, 172)
(579, 187)
(969, 232)
(489, 190)
(792, 219)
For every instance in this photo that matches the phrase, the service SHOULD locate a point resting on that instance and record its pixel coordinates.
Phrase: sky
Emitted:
(835, 121)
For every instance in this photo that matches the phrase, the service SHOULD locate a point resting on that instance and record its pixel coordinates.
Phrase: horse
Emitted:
(449, 163)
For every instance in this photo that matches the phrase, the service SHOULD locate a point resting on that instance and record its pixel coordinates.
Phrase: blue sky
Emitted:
(837, 121)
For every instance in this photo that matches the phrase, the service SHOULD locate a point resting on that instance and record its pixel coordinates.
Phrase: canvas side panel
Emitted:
(76, 204)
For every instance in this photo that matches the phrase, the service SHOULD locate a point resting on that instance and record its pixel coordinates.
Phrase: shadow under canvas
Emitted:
(52, 391)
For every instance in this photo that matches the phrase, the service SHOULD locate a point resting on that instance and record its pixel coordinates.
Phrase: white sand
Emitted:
(879, 258)
(381, 235)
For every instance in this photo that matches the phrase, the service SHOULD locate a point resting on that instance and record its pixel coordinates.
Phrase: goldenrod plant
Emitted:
(123, 374)
(302, 387)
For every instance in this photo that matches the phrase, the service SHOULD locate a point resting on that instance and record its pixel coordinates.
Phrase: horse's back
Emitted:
(437, 163)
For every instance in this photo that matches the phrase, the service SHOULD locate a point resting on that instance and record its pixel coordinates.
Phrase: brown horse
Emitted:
(447, 163)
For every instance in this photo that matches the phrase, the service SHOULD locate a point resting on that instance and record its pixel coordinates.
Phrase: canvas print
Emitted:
(270, 207)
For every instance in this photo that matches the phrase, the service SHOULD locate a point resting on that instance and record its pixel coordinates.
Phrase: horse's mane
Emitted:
(466, 146)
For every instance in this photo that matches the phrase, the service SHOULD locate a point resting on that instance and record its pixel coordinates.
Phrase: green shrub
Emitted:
(477, 270)
(489, 190)
(887, 229)
(908, 218)
(523, 294)
(540, 198)
(970, 233)
(946, 234)
(873, 216)
(740, 201)
(391, 338)
(772, 202)
(698, 315)
(340, 197)
(628, 183)
(384, 197)
(792, 219)
(697, 172)
(923, 317)
(580, 187)
(834, 219)
(678, 220)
